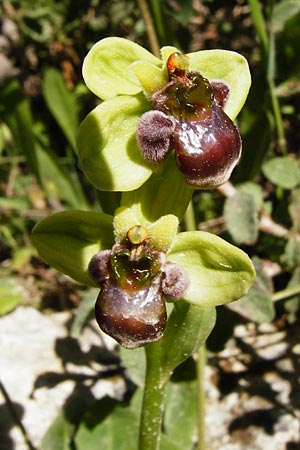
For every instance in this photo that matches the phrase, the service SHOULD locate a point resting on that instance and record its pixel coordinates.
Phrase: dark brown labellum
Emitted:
(135, 280)
(207, 151)
(132, 319)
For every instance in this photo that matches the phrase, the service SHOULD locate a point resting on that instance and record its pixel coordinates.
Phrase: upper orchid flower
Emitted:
(186, 99)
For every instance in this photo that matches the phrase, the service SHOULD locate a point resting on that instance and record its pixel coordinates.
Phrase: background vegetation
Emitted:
(43, 99)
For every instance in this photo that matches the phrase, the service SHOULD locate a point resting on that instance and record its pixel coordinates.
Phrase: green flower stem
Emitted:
(153, 401)
(201, 363)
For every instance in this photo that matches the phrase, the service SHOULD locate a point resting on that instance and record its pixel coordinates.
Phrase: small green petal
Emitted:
(108, 151)
(106, 68)
(162, 231)
(219, 272)
(151, 78)
(124, 219)
(68, 240)
(227, 66)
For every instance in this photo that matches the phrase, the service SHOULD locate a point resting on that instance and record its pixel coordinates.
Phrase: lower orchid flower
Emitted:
(140, 266)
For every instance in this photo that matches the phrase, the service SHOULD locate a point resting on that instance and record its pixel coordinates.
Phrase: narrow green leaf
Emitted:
(61, 102)
(218, 271)
(282, 171)
(17, 115)
(68, 240)
(56, 182)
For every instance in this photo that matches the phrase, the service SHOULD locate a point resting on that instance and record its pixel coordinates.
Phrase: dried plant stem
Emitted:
(152, 37)
(15, 417)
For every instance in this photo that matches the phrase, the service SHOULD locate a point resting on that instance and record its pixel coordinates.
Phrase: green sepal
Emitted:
(227, 66)
(161, 233)
(106, 68)
(108, 151)
(219, 272)
(68, 240)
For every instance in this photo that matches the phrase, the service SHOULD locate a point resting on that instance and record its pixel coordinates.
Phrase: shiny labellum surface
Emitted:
(130, 306)
(135, 281)
(207, 151)
(132, 319)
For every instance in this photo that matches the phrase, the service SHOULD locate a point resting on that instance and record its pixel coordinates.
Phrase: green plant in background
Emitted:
(136, 256)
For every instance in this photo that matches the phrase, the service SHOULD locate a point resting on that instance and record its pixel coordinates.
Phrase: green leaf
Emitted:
(110, 426)
(257, 305)
(68, 240)
(108, 151)
(86, 306)
(135, 364)
(180, 417)
(294, 208)
(58, 435)
(282, 12)
(11, 294)
(106, 68)
(291, 256)
(218, 271)
(56, 182)
(61, 102)
(241, 213)
(282, 171)
(168, 444)
(187, 329)
(17, 115)
(227, 66)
